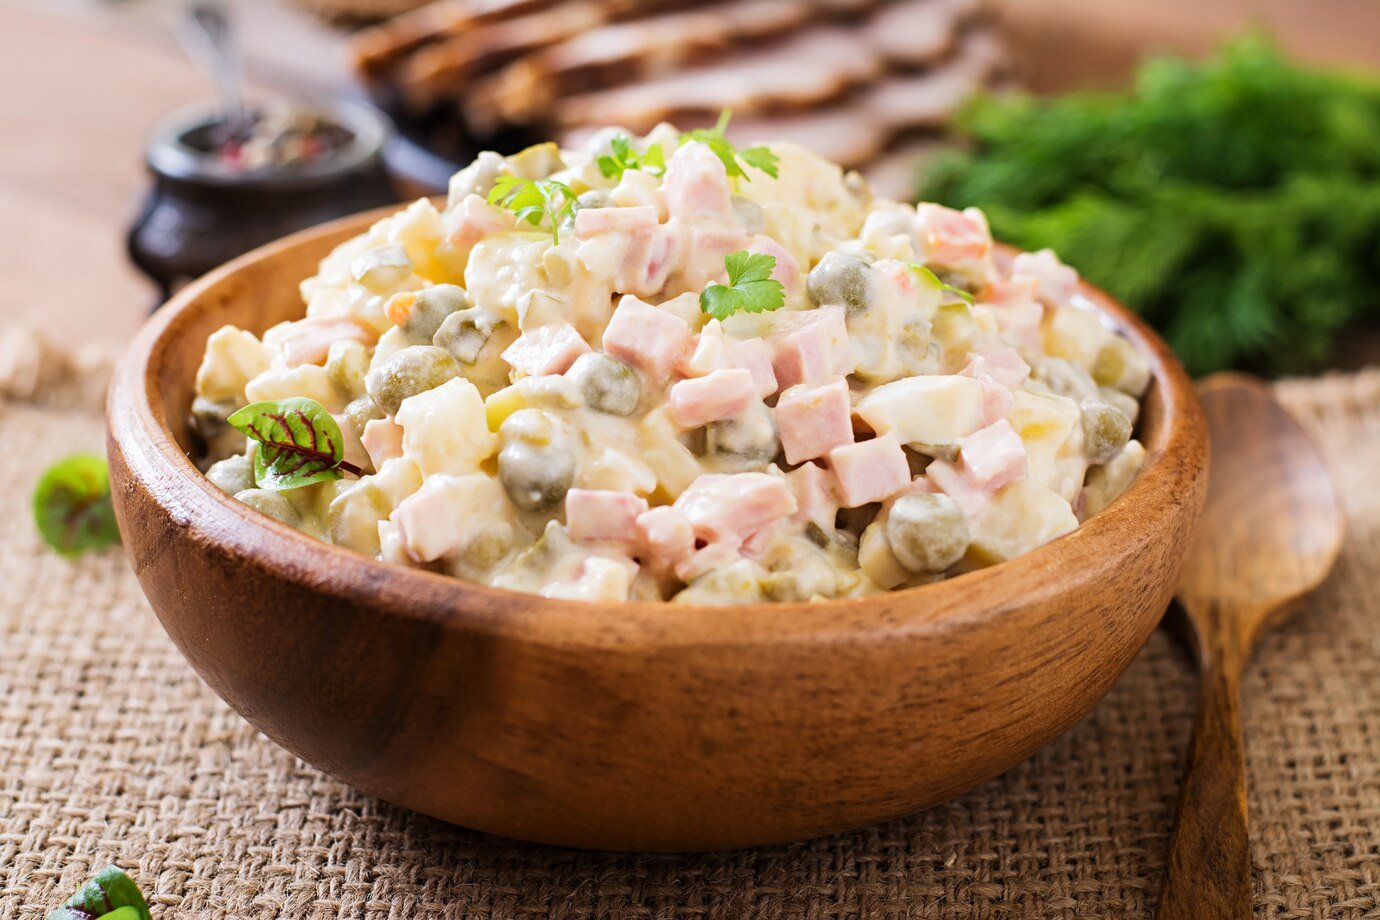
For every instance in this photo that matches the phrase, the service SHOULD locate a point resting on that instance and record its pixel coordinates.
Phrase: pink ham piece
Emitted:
(667, 536)
(472, 220)
(997, 398)
(786, 270)
(696, 183)
(651, 340)
(1055, 282)
(754, 356)
(719, 395)
(308, 341)
(546, 350)
(949, 237)
(632, 221)
(870, 471)
(815, 499)
(382, 440)
(814, 420)
(811, 346)
(600, 514)
(728, 507)
(1006, 366)
(708, 246)
(1017, 311)
(987, 460)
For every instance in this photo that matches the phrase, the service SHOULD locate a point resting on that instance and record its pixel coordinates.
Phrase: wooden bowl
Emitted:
(633, 726)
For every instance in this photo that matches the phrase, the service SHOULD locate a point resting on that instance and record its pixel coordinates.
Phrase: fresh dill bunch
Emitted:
(1235, 202)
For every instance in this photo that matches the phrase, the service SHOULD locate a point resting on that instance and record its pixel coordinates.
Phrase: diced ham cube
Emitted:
(754, 355)
(308, 341)
(651, 340)
(1017, 311)
(1055, 282)
(870, 471)
(696, 182)
(811, 346)
(594, 221)
(383, 440)
(1006, 366)
(813, 488)
(472, 219)
(704, 261)
(667, 536)
(814, 420)
(711, 557)
(997, 399)
(786, 270)
(987, 460)
(717, 396)
(598, 514)
(729, 507)
(446, 513)
(546, 350)
(951, 238)
(647, 262)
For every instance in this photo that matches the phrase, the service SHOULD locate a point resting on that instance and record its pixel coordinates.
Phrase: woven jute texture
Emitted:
(111, 750)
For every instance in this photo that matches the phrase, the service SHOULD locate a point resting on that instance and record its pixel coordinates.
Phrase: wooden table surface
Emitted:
(86, 80)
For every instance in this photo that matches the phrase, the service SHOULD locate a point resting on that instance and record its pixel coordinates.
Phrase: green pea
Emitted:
(409, 372)
(535, 476)
(1105, 431)
(273, 504)
(1119, 364)
(607, 384)
(382, 268)
(747, 441)
(361, 412)
(928, 533)
(232, 475)
(750, 213)
(843, 278)
(347, 363)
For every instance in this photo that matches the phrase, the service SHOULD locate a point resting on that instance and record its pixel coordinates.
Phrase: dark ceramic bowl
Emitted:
(199, 214)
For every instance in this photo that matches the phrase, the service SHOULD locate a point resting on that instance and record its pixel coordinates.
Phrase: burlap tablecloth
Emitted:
(111, 750)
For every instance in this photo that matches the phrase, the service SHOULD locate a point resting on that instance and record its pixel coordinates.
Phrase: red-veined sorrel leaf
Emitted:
(298, 443)
(72, 506)
(111, 895)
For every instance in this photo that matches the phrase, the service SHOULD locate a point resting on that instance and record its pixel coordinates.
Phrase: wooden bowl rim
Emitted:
(1174, 462)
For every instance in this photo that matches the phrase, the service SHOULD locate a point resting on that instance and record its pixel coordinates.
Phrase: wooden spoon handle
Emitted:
(1209, 870)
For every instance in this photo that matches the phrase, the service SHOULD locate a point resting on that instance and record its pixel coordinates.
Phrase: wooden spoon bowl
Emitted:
(634, 726)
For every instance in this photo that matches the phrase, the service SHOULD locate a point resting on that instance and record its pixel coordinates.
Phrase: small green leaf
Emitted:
(758, 157)
(297, 443)
(72, 506)
(623, 157)
(935, 281)
(535, 201)
(110, 895)
(750, 288)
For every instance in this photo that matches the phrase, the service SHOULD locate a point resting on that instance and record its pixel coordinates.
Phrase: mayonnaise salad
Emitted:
(539, 400)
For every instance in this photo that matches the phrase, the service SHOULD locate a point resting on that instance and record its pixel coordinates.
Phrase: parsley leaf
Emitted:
(623, 157)
(936, 281)
(750, 289)
(758, 157)
(534, 201)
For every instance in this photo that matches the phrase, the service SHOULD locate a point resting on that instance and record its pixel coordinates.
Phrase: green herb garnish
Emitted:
(297, 443)
(758, 157)
(72, 506)
(623, 157)
(535, 200)
(1234, 201)
(938, 282)
(750, 288)
(111, 895)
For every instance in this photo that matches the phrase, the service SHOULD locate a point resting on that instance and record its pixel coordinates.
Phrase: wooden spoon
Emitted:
(1269, 534)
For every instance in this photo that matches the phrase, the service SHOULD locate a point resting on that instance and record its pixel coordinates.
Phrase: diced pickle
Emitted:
(232, 475)
(750, 213)
(409, 372)
(382, 268)
(928, 533)
(954, 328)
(273, 504)
(843, 278)
(465, 333)
(361, 412)
(347, 363)
(353, 517)
(743, 442)
(1120, 365)
(430, 308)
(1105, 431)
(606, 383)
